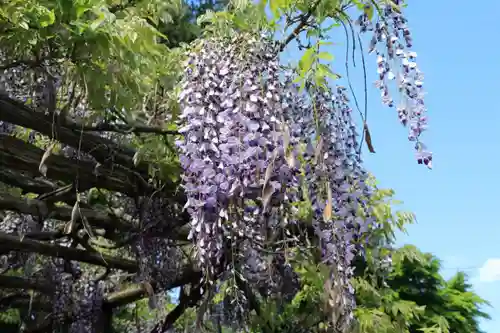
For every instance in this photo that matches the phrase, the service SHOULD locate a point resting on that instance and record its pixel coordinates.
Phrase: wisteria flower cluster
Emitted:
(62, 282)
(14, 223)
(392, 42)
(71, 290)
(76, 294)
(87, 307)
(252, 142)
(237, 151)
(158, 257)
(159, 260)
(336, 167)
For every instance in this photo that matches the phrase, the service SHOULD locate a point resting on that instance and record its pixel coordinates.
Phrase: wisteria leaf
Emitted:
(291, 160)
(75, 215)
(307, 60)
(268, 174)
(286, 137)
(368, 9)
(368, 138)
(43, 167)
(88, 227)
(266, 196)
(325, 56)
(318, 150)
(151, 295)
(328, 211)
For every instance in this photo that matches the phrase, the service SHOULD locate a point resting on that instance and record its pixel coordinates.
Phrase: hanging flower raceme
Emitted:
(87, 307)
(254, 145)
(392, 42)
(237, 152)
(338, 192)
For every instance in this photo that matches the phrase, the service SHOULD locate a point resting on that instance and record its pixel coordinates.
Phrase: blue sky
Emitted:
(455, 202)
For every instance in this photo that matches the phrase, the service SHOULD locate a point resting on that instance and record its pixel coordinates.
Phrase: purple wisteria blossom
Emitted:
(255, 146)
(251, 141)
(392, 42)
(238, 152)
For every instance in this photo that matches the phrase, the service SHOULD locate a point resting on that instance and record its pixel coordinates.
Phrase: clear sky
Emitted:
(455, 202)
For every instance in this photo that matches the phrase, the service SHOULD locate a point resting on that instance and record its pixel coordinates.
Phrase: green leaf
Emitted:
(359, 4)
(368, 9)
(326, 71)
(80, 11)
(312, 33)
(307, 60)
(275, 6)
(240, 4)
(100, 19)
(331, 26)
(48, 19)
(322, 42)
(24, 25)
(325, 56)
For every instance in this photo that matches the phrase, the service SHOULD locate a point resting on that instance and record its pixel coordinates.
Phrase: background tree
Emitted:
(449, 305)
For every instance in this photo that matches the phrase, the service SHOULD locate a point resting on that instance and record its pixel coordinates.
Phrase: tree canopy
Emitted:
(147, 146)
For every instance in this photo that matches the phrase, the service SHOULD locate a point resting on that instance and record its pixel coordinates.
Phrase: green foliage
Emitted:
(121, 59)
(380, 310)
(310, 67)
(124, 60)
(450, 306)
(305, 309)
(9, 317)
(411, 297)
(110, 55)
(415, 298)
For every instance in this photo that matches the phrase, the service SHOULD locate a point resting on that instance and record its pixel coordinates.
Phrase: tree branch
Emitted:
(302, 24)
(39, 208)
(27, 245)
(19, 301)
(56, 127)
(112, 300)
(135, 293)
(16, 282)
(28, 62)
(45, 235)
(120, 128)
(27, 184)
(16, 154)
(185, 302)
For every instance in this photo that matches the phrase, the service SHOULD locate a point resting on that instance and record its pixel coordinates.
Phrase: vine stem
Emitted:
(302, 24)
